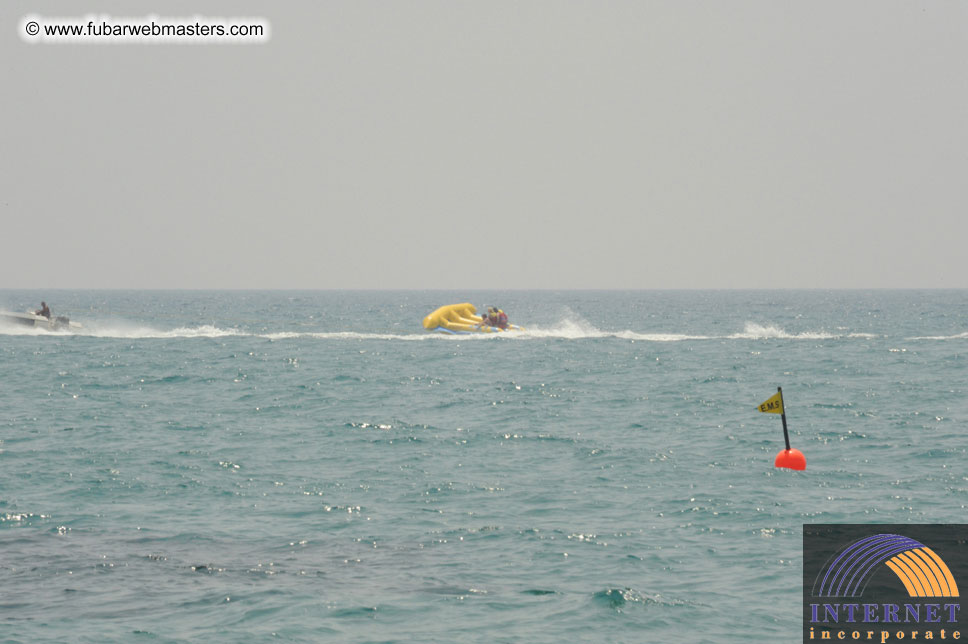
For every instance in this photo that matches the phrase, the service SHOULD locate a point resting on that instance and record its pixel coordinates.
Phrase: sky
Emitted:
(492, 144)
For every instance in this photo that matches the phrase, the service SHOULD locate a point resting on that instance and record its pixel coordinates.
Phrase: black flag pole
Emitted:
(786, 434)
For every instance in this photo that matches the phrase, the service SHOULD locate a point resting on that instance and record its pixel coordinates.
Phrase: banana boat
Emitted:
(461, 318)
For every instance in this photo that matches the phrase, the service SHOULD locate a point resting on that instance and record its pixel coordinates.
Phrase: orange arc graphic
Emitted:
(923, 573)
(902, 575)
(952, 586)
(939, 581)
(905, 568)
(930, 586)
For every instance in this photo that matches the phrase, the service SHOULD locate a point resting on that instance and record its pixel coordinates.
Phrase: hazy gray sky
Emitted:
(493, 144)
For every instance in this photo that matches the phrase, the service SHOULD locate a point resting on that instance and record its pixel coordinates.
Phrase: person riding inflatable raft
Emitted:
(463, 318)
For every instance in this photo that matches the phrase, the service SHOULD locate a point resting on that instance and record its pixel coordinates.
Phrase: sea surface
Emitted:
(242, 466)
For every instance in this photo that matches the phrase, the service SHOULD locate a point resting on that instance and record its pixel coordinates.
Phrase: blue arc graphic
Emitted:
(847, 574)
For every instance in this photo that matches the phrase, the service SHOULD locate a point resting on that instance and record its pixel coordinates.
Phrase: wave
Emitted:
(753, 331)
(579, 329)
(133, 333)
(355, 335)
(23, 330)
(957, 336)
(570, 329)
(125, 332)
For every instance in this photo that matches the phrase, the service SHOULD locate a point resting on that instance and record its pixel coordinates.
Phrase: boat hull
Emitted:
(54, 323)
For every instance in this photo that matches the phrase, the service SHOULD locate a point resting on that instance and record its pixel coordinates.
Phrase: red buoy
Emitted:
(792, 459)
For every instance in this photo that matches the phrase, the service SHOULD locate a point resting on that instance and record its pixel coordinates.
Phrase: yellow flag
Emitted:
(773, 405)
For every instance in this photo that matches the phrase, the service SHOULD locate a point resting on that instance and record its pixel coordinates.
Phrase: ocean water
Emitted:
(314, 466)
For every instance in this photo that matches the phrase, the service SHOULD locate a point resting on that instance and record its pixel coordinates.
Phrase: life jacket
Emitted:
(502, 319)
(490, 318)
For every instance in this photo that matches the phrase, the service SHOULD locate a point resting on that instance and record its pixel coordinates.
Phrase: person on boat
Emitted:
(44, 310)
(495, 317)
(489, 318)
(486, 318)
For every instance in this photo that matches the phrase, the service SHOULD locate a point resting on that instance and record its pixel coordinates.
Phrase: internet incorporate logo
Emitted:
(880, 583)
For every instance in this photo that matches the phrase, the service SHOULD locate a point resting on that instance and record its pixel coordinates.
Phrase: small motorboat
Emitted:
(461, 318)
(53, 323)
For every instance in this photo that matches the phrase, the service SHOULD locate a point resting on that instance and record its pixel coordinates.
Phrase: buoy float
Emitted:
(792, 459)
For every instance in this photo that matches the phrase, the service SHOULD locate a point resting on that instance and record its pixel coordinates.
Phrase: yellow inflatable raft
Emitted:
(461, 318)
